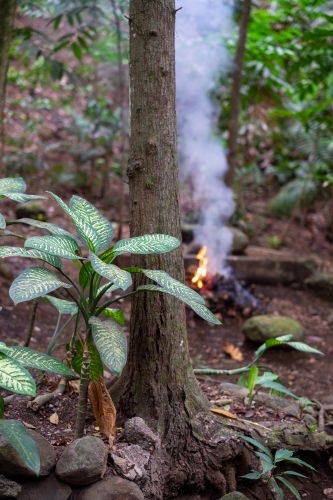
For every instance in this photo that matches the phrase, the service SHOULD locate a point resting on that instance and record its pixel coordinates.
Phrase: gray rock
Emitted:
(32, 209)
(12, 466)
(131, 462)
(5, 271)
(264, 327)
(136, 431)
(83, 461)
(113, 488)
(235, 495)
(239, 240)
(49, 488)
(8, 489)
(321, 283)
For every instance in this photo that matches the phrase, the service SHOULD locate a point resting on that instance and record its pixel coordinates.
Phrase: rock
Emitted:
(261, 328)
(239, 240)
(8, 489)
(321, 283)
(5, 271)
(234, 389)
(83, 461)
(49, 488)
(12, 466)
(32, 209)
(235, 495)
(136, 431)
(131, 462)
(113, 488)
(188, 232)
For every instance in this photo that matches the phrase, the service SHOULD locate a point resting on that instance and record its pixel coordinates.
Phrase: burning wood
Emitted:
(202, 267)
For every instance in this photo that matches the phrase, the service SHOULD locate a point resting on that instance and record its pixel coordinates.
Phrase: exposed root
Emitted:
(41, 400)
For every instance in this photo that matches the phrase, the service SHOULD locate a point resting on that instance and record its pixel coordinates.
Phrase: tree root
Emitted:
(41, 400)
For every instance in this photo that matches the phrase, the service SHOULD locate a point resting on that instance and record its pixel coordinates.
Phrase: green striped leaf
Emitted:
(12, 185)
(111, 343)
(59, 245)
(34, 359)
(85, 274)
(52, 228)
(147, 244)
(60, 202)
(2, 222)
(107, 288)
(116, 314)
(16, 434)
(300, 346)
(87, 234)
(34, 282)
(117, 276)
(290, 486)
(22, 198)
(96, 365)
(200, 309)
(174, 286)
(62, 306)
(15, 378)
(82, 210)
(257, 444)
(6, 251)
(252, 378)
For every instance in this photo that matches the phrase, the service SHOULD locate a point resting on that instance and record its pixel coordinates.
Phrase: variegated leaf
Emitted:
(174, 286)
(111, 343)
(22, 198)
(200, 309)
(62, 306)
(147, 244)
(59, 245)
(121, 278)
(15, 378)
(34, 282)
(16, 434)
(116, 314)
(2, 222)
(107, 288)
(96, 365)
(6, 251)
(12, 185)
(86, 233)
(60, 202)
(52, 228)
(34, 359)
(84, 211)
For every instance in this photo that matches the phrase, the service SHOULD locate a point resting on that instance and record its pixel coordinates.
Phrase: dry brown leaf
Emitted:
(225, 413)
(103, 408)
(233, 351)
(54, 418)
(28, 426)
(74, 385)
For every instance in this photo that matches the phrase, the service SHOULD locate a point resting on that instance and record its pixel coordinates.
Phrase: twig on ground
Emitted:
(9, 399)
(41, 400)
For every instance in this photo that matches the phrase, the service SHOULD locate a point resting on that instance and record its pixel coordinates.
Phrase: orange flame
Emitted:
(202, 267)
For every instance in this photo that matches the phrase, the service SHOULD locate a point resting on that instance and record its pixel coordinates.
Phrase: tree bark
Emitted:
(7, 14)
(236, 93)
(158, 383)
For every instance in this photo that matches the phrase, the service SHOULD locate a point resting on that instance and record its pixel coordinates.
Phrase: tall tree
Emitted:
(7, 14)
(158, 383)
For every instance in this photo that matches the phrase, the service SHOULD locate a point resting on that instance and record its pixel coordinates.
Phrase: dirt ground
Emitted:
(306, 375)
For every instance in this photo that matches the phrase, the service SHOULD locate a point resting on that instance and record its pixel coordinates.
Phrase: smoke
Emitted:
(200, 57)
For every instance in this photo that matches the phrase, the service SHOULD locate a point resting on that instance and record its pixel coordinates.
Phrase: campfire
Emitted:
(223, 293)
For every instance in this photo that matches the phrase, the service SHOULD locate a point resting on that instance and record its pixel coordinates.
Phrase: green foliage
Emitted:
(270, 462)
(16, 434)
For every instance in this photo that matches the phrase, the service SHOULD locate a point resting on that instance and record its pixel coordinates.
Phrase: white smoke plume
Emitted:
(200, 57)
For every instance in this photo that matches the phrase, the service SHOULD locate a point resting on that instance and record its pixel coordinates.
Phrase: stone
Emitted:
(239, 240)
(5, 271)
(49, 488)
(235, 495)
(136, 431)
(83, 461)
(113, 488)
(8, 489)
(261, 328)
(321, 284)
(131, 462)
(188, 232)
(32, 209)
(12, 466)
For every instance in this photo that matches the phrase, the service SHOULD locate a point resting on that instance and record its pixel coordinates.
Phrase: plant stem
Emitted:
(104, 306)
(32, 322)
(83, 394)
(56, 334)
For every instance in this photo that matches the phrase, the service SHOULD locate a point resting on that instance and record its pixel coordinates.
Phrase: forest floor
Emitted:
(306, 375)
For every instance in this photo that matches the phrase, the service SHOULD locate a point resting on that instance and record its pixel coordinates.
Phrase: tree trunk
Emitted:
(158, 383)
(7, 14)
(236, 93)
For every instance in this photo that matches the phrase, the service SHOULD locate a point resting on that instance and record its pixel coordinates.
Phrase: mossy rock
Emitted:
(261, 328)
(32, 210)
(235, 495)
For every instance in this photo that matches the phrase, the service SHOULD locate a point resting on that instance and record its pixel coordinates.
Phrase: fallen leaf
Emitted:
(233, 351)
(103, 408)
(74, 385)
(29, 426)
(54, 419)
(224, 413)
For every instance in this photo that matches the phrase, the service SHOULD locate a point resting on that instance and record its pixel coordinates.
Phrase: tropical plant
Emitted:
(104, 341)
(270, 462)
